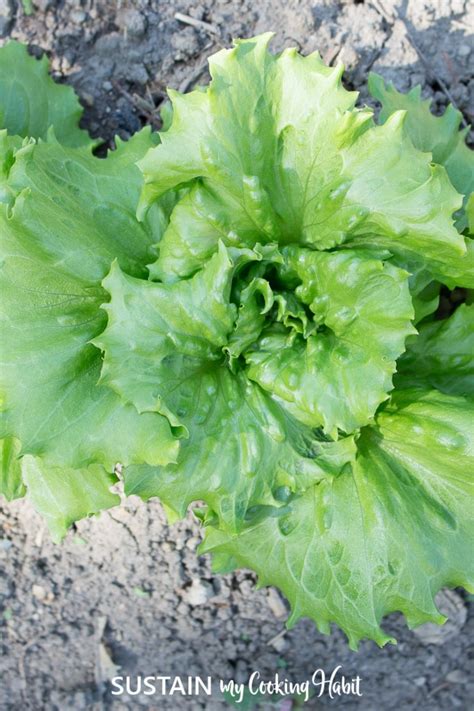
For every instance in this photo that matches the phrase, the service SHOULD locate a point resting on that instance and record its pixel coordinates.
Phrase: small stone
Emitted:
(198, 593)
(276, 604)
(38, 592)
(457, 676)
(464, 50)
(78, 17)
(419, 681)
(5, 544)
(44, 596)
(192, 543)
(107, 86)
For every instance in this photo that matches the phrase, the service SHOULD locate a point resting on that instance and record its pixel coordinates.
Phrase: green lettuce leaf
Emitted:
(154, 330)
(237, 345)
(439, 135)
(11, 481)
(72, 216)
(256, 300)
(274, 151)
(382, 537)
(63, 496)
(338, 377)
(244, 455)
(442, 355)
(31, 102)
(166, 350)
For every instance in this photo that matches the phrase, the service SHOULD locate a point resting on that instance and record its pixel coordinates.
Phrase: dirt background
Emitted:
(125, 589)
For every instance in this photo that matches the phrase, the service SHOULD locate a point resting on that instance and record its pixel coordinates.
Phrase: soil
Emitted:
(125, 589)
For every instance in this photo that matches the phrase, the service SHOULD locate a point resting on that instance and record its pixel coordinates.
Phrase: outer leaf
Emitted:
(439, 135)
(31, 102)
(281, 155)
(72, 216)
(338, 377)
(442, 356)
(63, 496)
(427, 234)
(11, 482)
(384, 537)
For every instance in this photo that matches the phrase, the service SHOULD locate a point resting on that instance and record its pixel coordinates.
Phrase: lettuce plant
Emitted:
(241, 311)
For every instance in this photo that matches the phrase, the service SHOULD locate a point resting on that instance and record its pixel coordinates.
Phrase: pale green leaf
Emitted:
(63, 496)
(338, 376)
(154, 326)
(415, 203)
(275, 152)
(439, 135)
(256, 299)
(73, 215)
(244, 454)
(383, 537)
